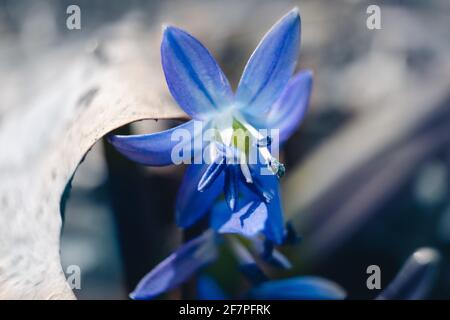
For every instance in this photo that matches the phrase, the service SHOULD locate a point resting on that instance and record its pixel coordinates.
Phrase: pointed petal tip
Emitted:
(116, 140)
(271, 65)
(132, 296)
(232, 205)
(416, 278)
(172, 31)
(146, 149)
(135, 296)
(193, 76)
(291, 16)
(426, 255)
(169, 30)
(166, 27)
(201, 186)
(295, 12)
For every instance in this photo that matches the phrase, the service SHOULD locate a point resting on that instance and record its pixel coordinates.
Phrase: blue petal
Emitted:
(177, 268)
(274, 227)
(248, 220)
(299, 288)
(208, 289)
(260, 190)
(288, 111)
(211, 173)
(194, 79)
(270, 66)
(259, 208)
(415, 278)
(191, 204)
(220, 214)
(156, 149)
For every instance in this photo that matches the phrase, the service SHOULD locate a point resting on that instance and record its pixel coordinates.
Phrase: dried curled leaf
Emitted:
(75, 96)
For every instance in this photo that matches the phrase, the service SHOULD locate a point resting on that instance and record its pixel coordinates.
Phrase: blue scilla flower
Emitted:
(268, 97)
(413, 281)
(191, 257)
(202, 250)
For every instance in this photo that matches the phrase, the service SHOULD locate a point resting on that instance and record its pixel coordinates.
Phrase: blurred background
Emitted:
(367, 180)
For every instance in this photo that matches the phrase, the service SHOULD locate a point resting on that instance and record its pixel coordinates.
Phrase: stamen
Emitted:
(225, 127)
(277, 167)
(262, 142)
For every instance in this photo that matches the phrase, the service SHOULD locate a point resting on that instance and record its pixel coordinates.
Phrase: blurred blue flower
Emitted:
(267, 98)
(192, 256)
(195, 254)
(178, 267)
(413, 281)
(415, 278)
(297, 288)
